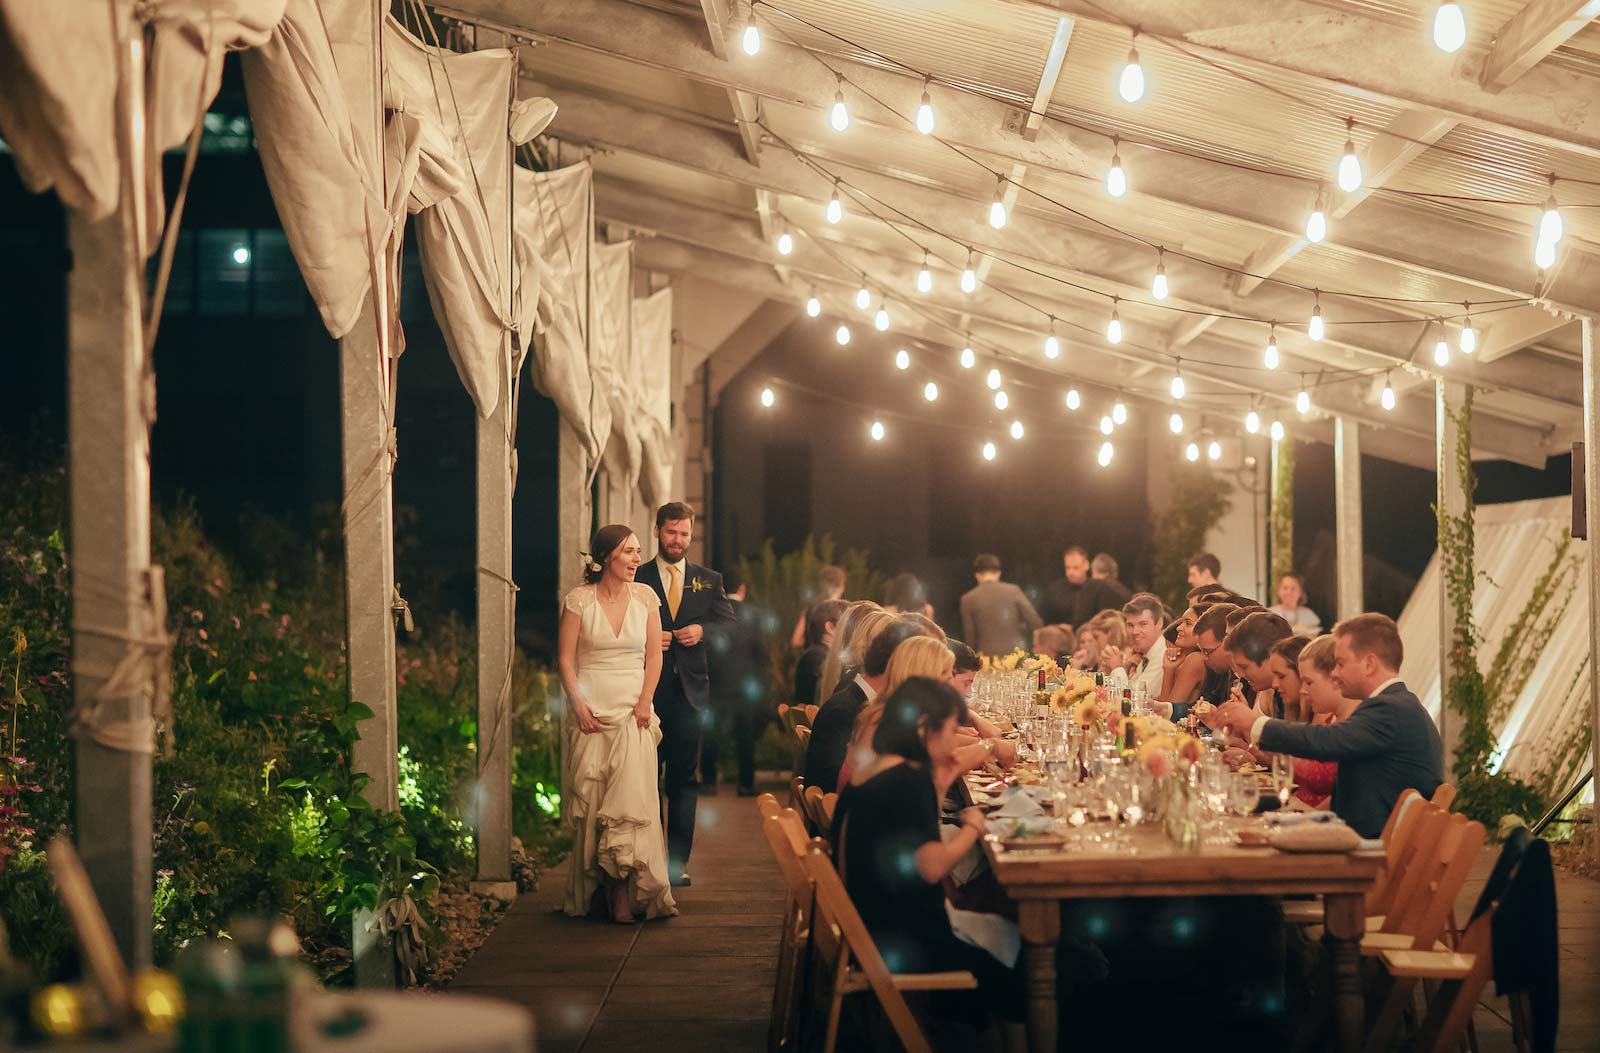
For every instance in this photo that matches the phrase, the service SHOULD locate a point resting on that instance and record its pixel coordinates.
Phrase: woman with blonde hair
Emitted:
(1320, 694)
(845, 650)
(918, 656)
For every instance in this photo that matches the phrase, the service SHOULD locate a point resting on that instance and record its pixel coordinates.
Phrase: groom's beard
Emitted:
(674, 553)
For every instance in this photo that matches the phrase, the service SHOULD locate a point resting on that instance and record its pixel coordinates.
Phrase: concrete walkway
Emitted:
(700, 981)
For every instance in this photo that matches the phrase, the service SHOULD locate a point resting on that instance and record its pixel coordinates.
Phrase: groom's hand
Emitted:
(689, 635)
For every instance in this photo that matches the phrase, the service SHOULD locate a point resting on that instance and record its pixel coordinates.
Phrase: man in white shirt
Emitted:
(1142, 662)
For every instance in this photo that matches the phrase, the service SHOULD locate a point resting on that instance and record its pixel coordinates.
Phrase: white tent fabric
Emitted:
(58, 86)
(611, 356)
(1515, 543)
(652, 342)
(554, 232)
(462, 103)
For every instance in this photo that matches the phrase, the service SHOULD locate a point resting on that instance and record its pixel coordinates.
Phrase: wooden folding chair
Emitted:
(848, 962)
(802, 732)
(1398, 838)
(1461, 976)
(818, 816)
(768, 805)
(1420, 914)
(795, 943)
(811, 714)
(797, 793)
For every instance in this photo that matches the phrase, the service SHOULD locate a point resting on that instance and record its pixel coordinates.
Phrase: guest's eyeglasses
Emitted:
(1208, 651)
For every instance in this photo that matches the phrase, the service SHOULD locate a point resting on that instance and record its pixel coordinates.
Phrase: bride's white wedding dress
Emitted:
(612, 803)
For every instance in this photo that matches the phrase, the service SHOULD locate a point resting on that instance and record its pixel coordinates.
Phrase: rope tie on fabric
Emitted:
(144, 671)
(495, 574)
(402, 610)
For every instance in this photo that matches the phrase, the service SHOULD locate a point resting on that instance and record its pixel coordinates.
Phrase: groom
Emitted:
(691, 598)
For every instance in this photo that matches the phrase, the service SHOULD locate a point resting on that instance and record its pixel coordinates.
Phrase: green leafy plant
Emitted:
(785, 586)
(1280, 521)
(1199, 501)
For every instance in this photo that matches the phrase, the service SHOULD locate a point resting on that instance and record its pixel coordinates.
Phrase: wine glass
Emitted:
(1244, 793)
(1282, 777)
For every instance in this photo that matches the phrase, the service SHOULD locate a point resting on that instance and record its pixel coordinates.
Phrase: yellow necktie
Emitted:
(674, 590)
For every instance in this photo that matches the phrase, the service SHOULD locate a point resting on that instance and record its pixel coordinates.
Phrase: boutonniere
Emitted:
(696, 584)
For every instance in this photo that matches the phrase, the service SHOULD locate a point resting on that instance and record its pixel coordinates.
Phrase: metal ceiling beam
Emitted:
(1054, 59)
(1532, 34)
(1477, 253)
(745, 106)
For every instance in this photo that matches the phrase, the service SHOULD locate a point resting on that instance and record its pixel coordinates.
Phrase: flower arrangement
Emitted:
(1069, 698)
(1006, 663)
(1162, 751)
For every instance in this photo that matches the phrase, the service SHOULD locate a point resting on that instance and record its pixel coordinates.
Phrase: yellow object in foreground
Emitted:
(157, 1000)
(58, 1010)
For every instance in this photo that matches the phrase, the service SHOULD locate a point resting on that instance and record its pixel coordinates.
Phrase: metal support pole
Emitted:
(1451, 499)
(1347, 504)
(496, 623)
(1591, 487)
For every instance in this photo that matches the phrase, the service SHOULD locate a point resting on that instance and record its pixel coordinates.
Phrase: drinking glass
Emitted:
(1282, 777)
(1244, 793)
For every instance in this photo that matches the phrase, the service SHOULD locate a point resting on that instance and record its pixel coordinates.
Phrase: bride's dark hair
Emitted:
(605, 542)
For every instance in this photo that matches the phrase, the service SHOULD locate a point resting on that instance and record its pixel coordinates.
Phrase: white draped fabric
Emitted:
(612, 357)
(652, 342)
(1515, 543)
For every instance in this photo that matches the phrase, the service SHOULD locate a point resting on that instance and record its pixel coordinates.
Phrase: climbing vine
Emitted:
(1280, 524)
(1199, 501)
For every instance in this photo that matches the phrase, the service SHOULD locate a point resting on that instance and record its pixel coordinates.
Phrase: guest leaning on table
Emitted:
(1320, 694)
(880, 633)
(887, 848)
(1387, 745)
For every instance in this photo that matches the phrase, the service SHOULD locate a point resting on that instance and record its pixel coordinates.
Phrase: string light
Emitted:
(813, 306)
(785, 242)
(969, 277)
(1277, 431)
(1252, 421)
(1469, 335)
(1317, 222)
(1302, 400)
(1175, 422)
(1106, 426)
(1544, 255)
(1551, 229)
(1441, 348)
(1314, 328)
(997, 208)
(863, 298)
(876, 431)
(988, 451)
(1116, 178)
(1052, 345)
(1016, 429)
(1270, 358)
(1349, 164)
(930, 391)
(924, 277)
(1074, 400)
(835, 207)
(750, 38)
(925, 112)
(768, 398)
(993, 380)
(1386, 400)
(1104, 457)
(1130, 83)
(1177, 382)
(841, 335)
(902, 360)
(1192, 451)
(838, 115)
(880, 321)
(1214, 450)
(1158, 285)
(1119, 413)
(1114, 327)
(1001, 401)
(968, 359)
(1449, 28)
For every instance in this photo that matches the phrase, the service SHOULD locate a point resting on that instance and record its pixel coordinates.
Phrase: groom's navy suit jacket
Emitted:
(703, 603)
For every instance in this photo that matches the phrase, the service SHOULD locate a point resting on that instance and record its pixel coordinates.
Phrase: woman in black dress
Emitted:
(889, 852)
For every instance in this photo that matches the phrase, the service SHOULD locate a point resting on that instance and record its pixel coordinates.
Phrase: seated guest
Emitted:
(1314, 779)
(1210, 637)
(835, 722)
(889, 854)
(1250, 644)
(1183, 669)
(1292, 606)
(1204, 569)
(821, 622)
(967, 666)
(1103, 568)
(1056, 641)
(1112, 629)
(1144, 618)
(1283, 663)
(921, 656)
(1086, 656)
(1387, 745)
(830, 586)
(846, 649)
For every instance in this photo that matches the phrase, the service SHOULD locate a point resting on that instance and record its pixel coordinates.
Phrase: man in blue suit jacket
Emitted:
(691, 598)
(1388, 745)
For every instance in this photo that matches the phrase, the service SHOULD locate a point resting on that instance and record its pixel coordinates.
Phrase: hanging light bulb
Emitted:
(969, 277)
(930, 391)
(1191, 452)
(835, 208)
(1317, 222)
(1104, 456)
(877, 431)
(785, 243)
(1551, 228)
(1107, 426)
(1158, 285)
(924, 277)
(1314, 328)
(902, 360)
(1130, 83)
(1270, 358)
(880, 321)
(1001, 401)
(1116, 178)
(813, 306)
(925, 112)
(1544, 255)
(1277, 431)
(993, 380)
(768, 398)
(1349, 164)
(1119, 413)
(1177, 384)
(1052, 345)
(863, 298)
(968, 359)
(1469, 335)
(1302, 400)
(750, 39)
(988, 451)
(838, 115)
(1175, 422)
(1252, 422)
(1441, 348)
(1449, 28)
(1114, 326)
(1016, 429)
(1213, 450)
(1386, 400)
(997, 208)
(1073, 399)
(841, 335)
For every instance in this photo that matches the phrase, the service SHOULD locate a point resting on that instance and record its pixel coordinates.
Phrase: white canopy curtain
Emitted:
(652, 342)
(611, 357)
(1515, 543)
(58, 85)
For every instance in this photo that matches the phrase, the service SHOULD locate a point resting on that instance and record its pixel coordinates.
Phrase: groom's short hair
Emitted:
(673, 511)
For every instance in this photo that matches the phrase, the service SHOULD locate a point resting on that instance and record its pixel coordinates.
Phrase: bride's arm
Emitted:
(652, 670)
(567, 666)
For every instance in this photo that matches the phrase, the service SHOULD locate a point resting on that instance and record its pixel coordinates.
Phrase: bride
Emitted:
(613, 807)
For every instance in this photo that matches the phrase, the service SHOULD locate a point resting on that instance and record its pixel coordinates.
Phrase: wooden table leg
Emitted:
(1040, 922)
(1344, 922)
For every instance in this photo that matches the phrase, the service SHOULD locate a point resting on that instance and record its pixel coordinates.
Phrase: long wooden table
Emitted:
(1039, 880)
